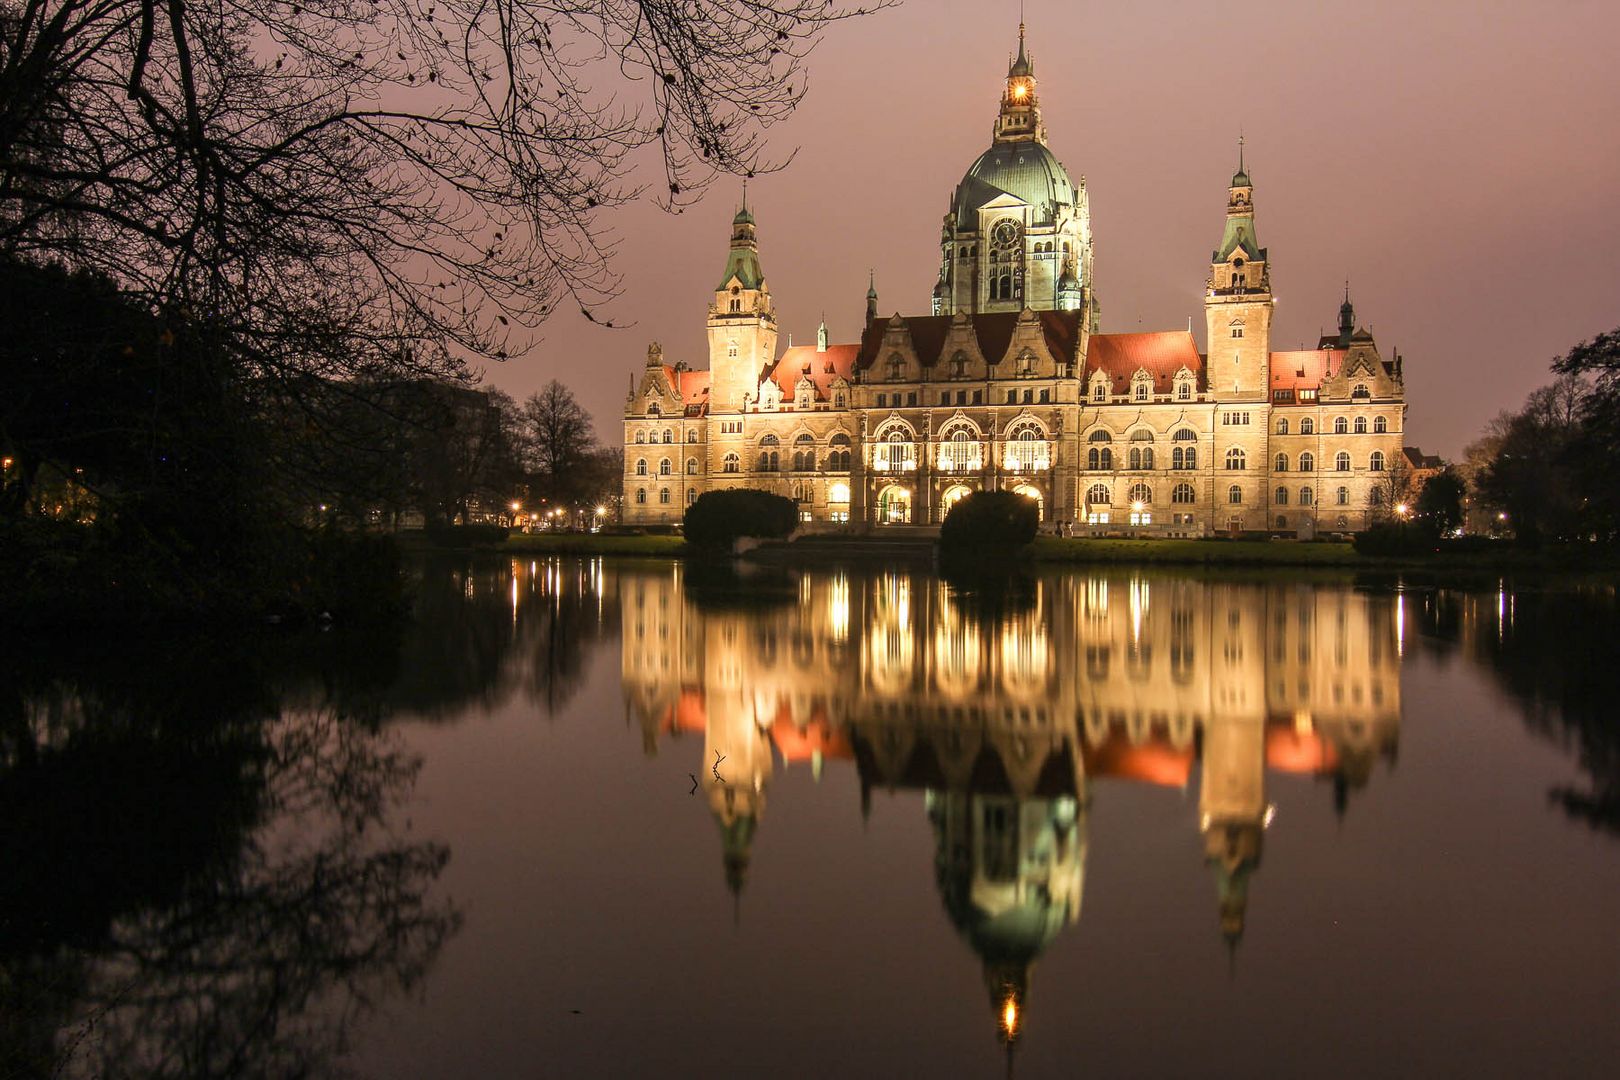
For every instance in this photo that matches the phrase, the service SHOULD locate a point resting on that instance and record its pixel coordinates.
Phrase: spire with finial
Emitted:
(1347, 317)
(821, 334)
(871, 297)
(1241, 177)
(1020, 118)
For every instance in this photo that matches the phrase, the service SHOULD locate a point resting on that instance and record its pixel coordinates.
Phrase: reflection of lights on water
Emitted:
(1270, 816)
(1139, 607)
(1302, 722)
(1400, 625)
(838, 607)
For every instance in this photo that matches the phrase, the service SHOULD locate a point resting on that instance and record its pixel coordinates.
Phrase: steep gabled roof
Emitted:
(993, 330)
(821, 368)
(1304, 370)
(692, 387)
(1120, 356)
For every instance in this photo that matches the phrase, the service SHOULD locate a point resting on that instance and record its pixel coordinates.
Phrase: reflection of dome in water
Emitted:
(1009, 872)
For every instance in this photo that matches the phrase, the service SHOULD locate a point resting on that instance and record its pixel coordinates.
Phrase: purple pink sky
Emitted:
(1458, 162)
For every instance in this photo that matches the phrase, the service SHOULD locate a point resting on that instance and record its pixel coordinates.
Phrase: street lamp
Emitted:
(1401, 509)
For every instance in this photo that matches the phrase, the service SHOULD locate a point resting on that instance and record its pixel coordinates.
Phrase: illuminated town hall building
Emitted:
(1008, 383)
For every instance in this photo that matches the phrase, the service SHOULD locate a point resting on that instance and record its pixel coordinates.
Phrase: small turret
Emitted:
(871, 298)
(1020, 117)
(821, 335)
(1347, 318)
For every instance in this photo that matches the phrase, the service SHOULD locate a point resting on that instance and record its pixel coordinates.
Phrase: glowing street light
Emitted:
(1401, 509)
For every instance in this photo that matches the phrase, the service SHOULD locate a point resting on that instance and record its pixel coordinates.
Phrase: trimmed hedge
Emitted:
(720, 518)
(989, 519)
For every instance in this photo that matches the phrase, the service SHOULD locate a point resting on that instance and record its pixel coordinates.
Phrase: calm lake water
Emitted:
(596, 819)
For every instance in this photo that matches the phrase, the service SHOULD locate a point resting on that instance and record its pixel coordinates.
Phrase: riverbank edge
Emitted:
(1055, 550)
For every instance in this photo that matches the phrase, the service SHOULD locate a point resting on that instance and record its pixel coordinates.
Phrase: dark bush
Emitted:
(719, 518)
(994, 520)
(1396, 538)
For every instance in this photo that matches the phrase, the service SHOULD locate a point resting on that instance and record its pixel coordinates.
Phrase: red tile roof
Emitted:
(993, 330)
(1120, 356)
(821, 368)
(691, 386)
(1304, 370)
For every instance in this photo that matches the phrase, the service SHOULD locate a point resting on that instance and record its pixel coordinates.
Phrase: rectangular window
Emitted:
(883, 399)
(961, 397)
(944, 397)
(1012, 397)
(911, 398)
(1141, 518)
(1099, 517)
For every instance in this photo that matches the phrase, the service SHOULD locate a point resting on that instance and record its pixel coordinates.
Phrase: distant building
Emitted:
(1008, 383)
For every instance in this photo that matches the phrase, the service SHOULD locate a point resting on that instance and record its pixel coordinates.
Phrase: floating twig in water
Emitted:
(715, 768)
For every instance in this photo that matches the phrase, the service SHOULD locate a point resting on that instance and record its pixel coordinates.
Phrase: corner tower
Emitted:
(1018, 232)
(742, 321)
(1238, 303)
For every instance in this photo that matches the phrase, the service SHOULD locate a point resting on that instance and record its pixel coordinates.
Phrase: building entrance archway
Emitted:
(894, 506)
(1029, 491)
(952, 496)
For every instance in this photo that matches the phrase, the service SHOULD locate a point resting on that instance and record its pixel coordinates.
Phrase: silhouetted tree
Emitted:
(1439, 505)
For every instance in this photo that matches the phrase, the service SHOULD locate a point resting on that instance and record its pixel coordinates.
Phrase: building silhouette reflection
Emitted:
(1008, 713)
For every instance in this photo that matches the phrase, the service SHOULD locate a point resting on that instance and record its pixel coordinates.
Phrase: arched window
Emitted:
(896, 364)
(1342, 497)
(664, 468)
(894, 451)
(641, 436)
(1234, 494)
(959, 366)
(1184, 390)
(1341, 461)
(1140, 391)
(770, 440)
(838, 400)
(692, 435)
(1280, 496)
(1183, 493)
(1361, 425)
(691, 466)
(959, 451)
(1376, 463)
(691, 496)
(641, 466)
(1307, 426)
(1027, 449)
(1235, 459)
(1341, 426)
(1099, 436)
(769, 461)
(1376, 496)
(1360, 393)
(641, 495)
(1380, 425)
(653, 409)
(1100, 459)
(731, 463)
(1306, 496)
(1307, 462)
(838, 459)
(669, 436)
(663, 496)
(1281, 463)
(1097, 495)
(1099, 391)
(1282, 426)
(1141, 493)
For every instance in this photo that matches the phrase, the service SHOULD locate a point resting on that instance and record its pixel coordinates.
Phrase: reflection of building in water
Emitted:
(1008, 712)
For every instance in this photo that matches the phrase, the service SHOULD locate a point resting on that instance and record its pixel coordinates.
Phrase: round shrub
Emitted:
(995, 520)
(719, 518)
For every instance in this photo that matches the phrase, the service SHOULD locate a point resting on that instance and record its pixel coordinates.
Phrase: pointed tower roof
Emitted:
(1021, 66)
(1239, 233)
(742, 262)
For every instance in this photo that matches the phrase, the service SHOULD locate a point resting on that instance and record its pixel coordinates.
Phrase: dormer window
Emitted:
(895, 364)
(1099, 391)
(1237, 330)
(1141, 392)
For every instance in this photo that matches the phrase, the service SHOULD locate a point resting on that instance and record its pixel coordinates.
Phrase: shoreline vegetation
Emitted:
(1082, 551)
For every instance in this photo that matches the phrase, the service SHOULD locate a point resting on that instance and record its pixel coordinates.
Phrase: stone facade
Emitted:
(1008, 383)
